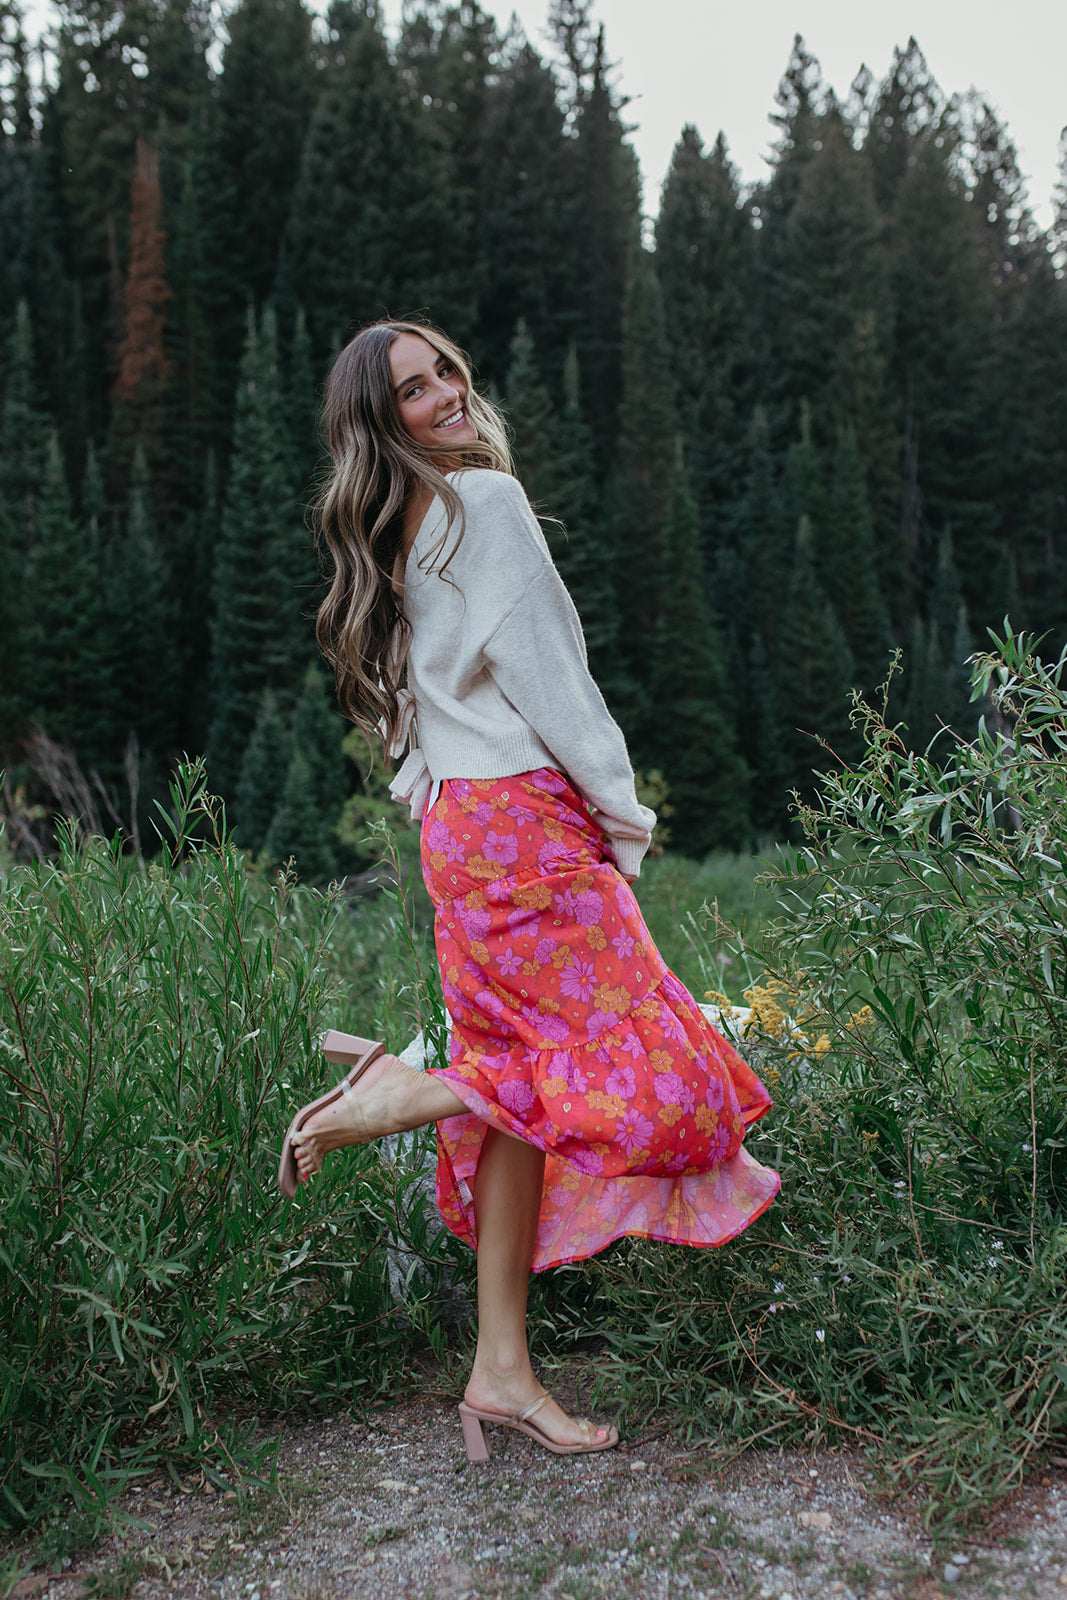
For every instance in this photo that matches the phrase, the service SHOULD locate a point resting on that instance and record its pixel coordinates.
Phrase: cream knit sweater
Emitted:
(497, 668)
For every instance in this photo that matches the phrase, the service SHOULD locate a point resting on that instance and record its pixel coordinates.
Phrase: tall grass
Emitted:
(158, 1024)
(907, 1292)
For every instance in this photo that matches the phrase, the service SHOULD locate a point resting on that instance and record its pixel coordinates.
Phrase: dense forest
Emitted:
(780, 433)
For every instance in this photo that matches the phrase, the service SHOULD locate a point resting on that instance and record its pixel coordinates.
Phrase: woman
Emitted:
(586, 1096)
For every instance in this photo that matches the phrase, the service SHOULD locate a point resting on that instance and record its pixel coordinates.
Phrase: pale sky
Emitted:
(717, 65)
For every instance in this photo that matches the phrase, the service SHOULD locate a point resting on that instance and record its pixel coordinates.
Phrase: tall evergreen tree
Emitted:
(845, 561)
(604, 183)
(526, 218)
(145, 691)
(24, 453)
(259, 637)
(581, 550)
(261, 782)
(265, 99)
(907, 104)
(640, 498)
(298, 829)
(532, 420)
(690, 734)
(370, 230)
(318, 730)
(62, 666)
(816, 671)
(450, 54)
(762, 736)
(704, 259)
(944, 339)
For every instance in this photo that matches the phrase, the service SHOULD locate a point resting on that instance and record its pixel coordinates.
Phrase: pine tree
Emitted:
(450, 54)
(24, 453)
(944, 339)
(302, 406)
(526, 218)
(62, 666)
(803, 100)
(259, 637)
(144, 688)
(318, 731)
(807, 497)
(603, 186)
(763, 739)
(845, 561)
(532, 420)
(908, 103)
(298, 830)
(816, 671)
(645, 474)
(831, 313)
(142, 363)
(923, 683)
(142, 359)
(705, 264)
(580, 550)
(265, 98)
(765, 554)
(261, 782)
(690, 734)
(370, 231)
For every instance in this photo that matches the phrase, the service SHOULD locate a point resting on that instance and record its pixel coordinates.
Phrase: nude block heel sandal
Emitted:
(473, 1420)
(474, 1435)
(343, 1049)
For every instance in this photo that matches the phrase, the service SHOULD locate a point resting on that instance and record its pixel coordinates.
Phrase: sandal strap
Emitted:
(530, 1410)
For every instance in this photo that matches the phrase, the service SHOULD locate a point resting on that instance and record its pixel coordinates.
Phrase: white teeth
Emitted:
(450, 422)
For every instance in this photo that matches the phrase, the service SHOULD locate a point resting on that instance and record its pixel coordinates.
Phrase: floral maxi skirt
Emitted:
(569, 1032)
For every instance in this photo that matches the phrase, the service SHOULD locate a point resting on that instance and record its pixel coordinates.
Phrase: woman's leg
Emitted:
(507, 1201)
(390, 1097)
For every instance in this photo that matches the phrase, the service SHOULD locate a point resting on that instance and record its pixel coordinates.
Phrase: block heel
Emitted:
(474, 1435)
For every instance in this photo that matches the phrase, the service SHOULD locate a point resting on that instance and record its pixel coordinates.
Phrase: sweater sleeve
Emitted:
(536, 655)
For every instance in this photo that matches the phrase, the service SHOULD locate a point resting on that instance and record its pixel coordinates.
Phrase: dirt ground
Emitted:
(393, 1511)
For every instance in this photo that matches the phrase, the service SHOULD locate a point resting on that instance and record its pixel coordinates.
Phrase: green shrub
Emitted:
(907, 1290)
(157, 1028)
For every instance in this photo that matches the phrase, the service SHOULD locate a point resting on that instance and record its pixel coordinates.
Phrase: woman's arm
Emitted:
(536, 654)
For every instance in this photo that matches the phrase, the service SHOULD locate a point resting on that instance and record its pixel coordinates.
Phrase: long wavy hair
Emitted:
(376, 468)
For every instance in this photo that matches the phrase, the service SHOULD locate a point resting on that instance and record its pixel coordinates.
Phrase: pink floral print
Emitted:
(569, 1032)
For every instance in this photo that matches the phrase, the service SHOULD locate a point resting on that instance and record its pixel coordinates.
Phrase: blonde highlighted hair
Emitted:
(376, 468)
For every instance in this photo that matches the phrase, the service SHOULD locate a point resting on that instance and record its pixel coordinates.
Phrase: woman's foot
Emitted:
(508, 1399)
(389, 1097)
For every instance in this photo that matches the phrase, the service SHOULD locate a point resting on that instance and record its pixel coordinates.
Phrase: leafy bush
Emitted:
(157, 1027)
(907, 1291)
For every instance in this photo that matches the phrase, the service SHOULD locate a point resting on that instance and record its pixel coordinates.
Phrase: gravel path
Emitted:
(394, 1512)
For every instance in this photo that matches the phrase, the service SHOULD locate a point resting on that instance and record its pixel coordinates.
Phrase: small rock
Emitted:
(951, 1572)
(816, 1519)
(960, 1561)
(638, 1466)
(396, 1484)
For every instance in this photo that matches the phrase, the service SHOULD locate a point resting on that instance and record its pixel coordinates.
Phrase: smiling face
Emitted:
(430, 394)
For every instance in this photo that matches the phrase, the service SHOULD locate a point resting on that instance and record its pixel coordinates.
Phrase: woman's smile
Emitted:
(430, 394)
